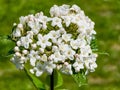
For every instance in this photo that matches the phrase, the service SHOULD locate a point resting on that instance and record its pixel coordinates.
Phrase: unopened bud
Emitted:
(25, 52)
(18, 54)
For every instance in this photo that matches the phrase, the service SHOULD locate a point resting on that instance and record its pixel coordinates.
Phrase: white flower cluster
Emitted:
(60, 42)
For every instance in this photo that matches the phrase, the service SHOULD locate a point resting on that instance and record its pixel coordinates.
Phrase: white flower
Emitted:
(17, 61)
(54, 11)
(81, 42)
(69, 53)
(90, 62)
(25, 41)
(79, 64)
(75, 19)
(43, 41)
(56, 57)
(61, 31)
(39, 72)
(74, 44)
(63, 47)
(59, 41)
(42, 19)
(53, 35)
(93, 65)
(43, 57)
(86, 50)
(67, 20)
(38, 69)
(66, 37)
(16, 32)
(56, 22)
(32, 56)
(55, 49)
(49, 66)
(23, 19)
(59, 11)
(75, 8)
(67, 69)
(35, 26)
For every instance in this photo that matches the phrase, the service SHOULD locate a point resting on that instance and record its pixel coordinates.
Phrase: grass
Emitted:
(105, 14)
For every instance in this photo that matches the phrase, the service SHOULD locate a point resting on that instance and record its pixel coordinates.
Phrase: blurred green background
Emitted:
(106, 15)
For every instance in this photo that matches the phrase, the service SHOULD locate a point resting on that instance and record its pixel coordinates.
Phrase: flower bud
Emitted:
(18, 54)
(16, 49)
(25, 52)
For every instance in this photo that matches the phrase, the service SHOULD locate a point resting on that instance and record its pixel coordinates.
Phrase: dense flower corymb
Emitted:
(60, 42)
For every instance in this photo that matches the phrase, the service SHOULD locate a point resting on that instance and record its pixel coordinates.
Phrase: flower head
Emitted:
(62, 41)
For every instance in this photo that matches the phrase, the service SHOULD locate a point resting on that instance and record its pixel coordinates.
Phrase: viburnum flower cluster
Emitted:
(60, 42)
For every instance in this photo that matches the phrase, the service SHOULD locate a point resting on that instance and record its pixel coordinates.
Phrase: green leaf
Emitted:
(38, 84)
(80, 79)
(103, 53)
(94, 45)
(58, 79)
(5, 45)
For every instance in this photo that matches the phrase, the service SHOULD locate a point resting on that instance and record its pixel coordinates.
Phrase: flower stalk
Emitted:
(52, 81)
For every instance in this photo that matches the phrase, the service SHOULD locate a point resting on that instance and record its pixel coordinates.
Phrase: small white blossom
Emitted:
(16, 33)
(42, 19)
(75, 8)
(17, 61)
(39, 69)
(32, 56)
(56, 57)
(53, 35)
(49, 66)
(67, 69)
(79, 64)
(59, 11)
(69, 53)
(74, 44)
(43, 41)
(35, 26)
(23, 19)
(67, 20)
(43, 57)
(86, 50)
(57, 22)
(66, 37)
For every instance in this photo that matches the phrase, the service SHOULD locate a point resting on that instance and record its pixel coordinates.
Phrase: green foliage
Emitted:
(58, 79)
(80, 78)
(36, 81)
(94, 45)
(6, 46)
